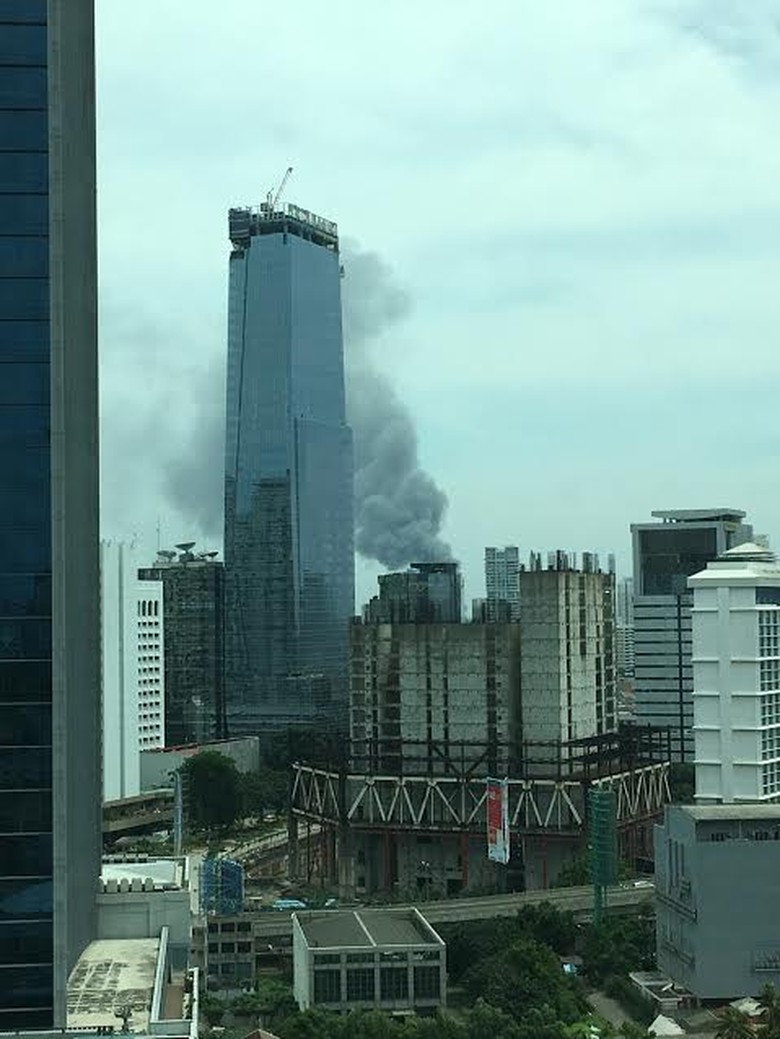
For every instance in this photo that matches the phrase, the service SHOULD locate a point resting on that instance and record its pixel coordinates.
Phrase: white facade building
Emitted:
(567, 666)
(133, 669)
(736, 677)
(666, 552)
(502, 566)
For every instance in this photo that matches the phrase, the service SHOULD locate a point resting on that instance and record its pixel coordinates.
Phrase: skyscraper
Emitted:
(194, 610)
(289, 559)
(502, 566)
(680, 543)
(50, 823)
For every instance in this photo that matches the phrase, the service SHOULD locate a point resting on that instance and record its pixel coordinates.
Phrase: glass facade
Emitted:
(288, 477)
(26, 870)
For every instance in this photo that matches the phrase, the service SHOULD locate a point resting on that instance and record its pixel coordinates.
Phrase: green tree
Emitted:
(734, 1025)
(620, 944)
(769, 1000)
(212, 786)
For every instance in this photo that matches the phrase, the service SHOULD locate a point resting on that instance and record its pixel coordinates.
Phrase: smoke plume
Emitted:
(398, 507)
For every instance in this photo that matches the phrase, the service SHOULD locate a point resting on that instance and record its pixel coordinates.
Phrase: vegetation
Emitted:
(619, 945)
(212, 786)
(272, 1000)
(682, 782)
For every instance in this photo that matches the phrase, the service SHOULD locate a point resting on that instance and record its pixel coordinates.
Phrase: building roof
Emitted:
(698, 515)
(164, 873)
(366, 929)
(110, 974)
(737, 812)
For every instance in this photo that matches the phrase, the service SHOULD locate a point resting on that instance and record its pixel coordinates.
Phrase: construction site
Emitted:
(421, 833)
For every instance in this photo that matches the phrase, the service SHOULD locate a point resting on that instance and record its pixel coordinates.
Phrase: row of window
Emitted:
(770, 743)
(769, 633)
(770, 777)
(361, 984)
(770, 709)
(769, 674)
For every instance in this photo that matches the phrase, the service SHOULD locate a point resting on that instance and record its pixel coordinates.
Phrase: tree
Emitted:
(769, 1000)
(734, 1025)
(212, 786)
(619, 944)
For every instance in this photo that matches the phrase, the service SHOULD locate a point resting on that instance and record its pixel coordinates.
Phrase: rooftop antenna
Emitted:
(272, 199)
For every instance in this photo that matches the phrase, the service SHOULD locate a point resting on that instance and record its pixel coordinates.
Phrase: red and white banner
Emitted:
(498, 820)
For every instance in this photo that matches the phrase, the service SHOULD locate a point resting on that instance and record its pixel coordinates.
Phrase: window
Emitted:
(770, 709)
(360, 985)
(213, 947)
(243, 947)
(394, 983)
(770, 778)
(327, 986)
(770, 743)
(769, 633)
(326, 958)
(426, 954)
(427, 983)
(769, 674)
(228, 947)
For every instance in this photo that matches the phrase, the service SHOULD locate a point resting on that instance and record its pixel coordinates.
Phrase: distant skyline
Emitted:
(577, 213)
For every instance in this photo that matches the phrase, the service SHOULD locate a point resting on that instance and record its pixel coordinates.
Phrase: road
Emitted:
(578, 900)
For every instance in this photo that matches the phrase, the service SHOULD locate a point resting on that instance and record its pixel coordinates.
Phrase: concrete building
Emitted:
(382, 959)
(736, 676)
(194, 606)
(502, 590)
(289, 552)
(567, 671)
(158, 765)
(426, 593)
(132, 626)
(680, 543)
(717, 911)
(420, 693)
(50, 794)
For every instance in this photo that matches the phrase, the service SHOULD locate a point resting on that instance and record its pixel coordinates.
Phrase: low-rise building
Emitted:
(717, 906)
(386, 959)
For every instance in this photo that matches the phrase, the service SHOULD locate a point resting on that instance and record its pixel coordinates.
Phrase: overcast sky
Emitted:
(579, 200)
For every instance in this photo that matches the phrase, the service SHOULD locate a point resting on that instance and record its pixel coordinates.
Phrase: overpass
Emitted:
(145, 813)
(272, 926)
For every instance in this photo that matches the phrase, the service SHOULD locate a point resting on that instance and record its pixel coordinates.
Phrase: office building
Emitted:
(194, 608)
(50, 796)
(736, 676)
(370, 959)
(502, 566)
(717, 912)
(426, 593)
(420, 693)
(289, 560)
(567, 673)
(132, 667)
(666, 553)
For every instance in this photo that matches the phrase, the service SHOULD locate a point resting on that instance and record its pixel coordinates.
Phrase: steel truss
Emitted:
(452, 803)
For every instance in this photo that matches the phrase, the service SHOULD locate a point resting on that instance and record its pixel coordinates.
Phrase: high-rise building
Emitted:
(289, 536)
(426, 593)
(194, 610)
(666, 553)
(502, 566)
(133, 669)
(736, 676)
(50, 797)
(567, 672)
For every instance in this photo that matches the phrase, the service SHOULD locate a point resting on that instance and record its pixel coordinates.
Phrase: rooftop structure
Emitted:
(388, 959)
(426, 593)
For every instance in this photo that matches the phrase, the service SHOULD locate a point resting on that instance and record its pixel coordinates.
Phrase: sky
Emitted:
(576, 205)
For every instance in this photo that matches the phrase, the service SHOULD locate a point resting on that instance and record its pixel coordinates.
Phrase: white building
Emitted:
(666, 552)
(567, 667)
(502, 566)
(736, 676)
(133, 682)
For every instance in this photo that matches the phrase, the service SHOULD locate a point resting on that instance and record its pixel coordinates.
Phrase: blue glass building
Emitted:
(289, 556)
(50, 825)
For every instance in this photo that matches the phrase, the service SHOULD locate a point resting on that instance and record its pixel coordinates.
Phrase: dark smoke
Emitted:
(398, 507)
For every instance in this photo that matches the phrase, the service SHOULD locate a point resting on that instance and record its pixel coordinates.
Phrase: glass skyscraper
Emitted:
(50, 820)
(289, 535)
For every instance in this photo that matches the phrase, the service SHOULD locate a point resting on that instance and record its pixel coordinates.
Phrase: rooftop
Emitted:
(366, 929)
(164, 873)
(110, 974)
(737, 812)
(698, 515)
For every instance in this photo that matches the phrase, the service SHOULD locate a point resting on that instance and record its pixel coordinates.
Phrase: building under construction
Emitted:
(437, 709)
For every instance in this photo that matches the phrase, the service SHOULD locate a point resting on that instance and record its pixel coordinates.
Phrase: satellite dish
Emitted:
(186, 546)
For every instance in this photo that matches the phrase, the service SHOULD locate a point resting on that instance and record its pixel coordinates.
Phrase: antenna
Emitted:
(272, 198)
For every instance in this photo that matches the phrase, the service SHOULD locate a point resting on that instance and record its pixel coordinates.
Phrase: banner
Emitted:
(498, 820)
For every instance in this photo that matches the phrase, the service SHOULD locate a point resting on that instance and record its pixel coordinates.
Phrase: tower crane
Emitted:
(272, 199)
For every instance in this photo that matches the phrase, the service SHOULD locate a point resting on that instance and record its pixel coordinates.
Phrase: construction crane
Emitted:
(272, 199)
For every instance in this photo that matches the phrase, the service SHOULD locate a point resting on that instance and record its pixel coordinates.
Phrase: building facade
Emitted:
(289, 526)
(133, 669)
(736, 677)
(193, 586)
(426, 593)
(50, 824)
(717, 914)
(502, 590)
(420, 693)
(666, 553)
(371, 959)
(567, 672)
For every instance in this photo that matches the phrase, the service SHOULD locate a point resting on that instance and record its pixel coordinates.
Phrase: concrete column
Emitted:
(292, 847)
